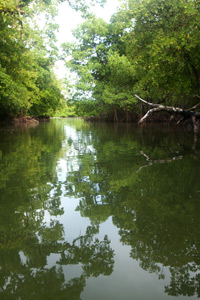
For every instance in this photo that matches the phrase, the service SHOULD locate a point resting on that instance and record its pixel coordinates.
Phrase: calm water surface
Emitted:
(99, 211)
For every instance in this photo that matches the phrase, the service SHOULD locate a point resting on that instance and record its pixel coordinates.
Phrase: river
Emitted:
(99, 211)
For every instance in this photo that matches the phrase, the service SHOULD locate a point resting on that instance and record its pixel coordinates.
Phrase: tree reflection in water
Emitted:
(149, 184)
(30, 231)
(34, 280)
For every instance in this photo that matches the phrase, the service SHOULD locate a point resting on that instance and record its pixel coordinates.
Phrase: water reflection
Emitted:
(30, 231)
(32, 279)
(146, 180)
(149, 184)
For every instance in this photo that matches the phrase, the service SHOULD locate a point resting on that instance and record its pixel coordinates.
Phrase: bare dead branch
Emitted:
(194, 107)
(186, 113)
(148, 103)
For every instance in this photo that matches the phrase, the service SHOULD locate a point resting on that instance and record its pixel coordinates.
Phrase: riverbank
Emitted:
(161, 117)
(25, 120)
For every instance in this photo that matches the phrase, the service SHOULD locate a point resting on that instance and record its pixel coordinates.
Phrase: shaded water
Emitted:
(99, 211)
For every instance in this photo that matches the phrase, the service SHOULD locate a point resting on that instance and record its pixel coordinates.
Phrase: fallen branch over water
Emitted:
(185, 113)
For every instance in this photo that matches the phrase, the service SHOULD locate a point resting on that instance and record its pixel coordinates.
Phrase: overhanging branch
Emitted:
(186, 113)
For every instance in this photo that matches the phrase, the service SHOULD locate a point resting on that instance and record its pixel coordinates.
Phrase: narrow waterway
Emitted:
(99, 211)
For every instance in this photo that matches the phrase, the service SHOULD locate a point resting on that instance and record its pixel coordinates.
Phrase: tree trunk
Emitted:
(115, 116)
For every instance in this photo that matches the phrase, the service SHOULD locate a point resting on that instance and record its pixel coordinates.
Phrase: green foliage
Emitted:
(49, 95)
(27, 83)
(65, 110)
(150, 48)
(27, 56)
(89, 58)
(163, 46)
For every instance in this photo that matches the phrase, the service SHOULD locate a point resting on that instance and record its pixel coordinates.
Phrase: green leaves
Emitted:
(23, 62)
(161, 38)
(150, 47)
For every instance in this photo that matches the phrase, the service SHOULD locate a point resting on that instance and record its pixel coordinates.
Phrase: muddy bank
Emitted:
(23, 120)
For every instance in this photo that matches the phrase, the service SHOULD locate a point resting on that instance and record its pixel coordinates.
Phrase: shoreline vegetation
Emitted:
(163, 117)
(148, 48)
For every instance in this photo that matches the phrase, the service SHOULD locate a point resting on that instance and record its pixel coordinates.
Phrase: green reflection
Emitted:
(145, 179)
(30, 231)
(148, 181)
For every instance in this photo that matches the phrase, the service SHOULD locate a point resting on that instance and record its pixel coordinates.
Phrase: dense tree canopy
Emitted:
(150, 48)
(27, 82)
(27, 56)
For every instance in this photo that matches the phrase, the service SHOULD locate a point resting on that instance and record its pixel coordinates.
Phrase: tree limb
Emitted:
(189, 113)
(148, 103)
(194, 107)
